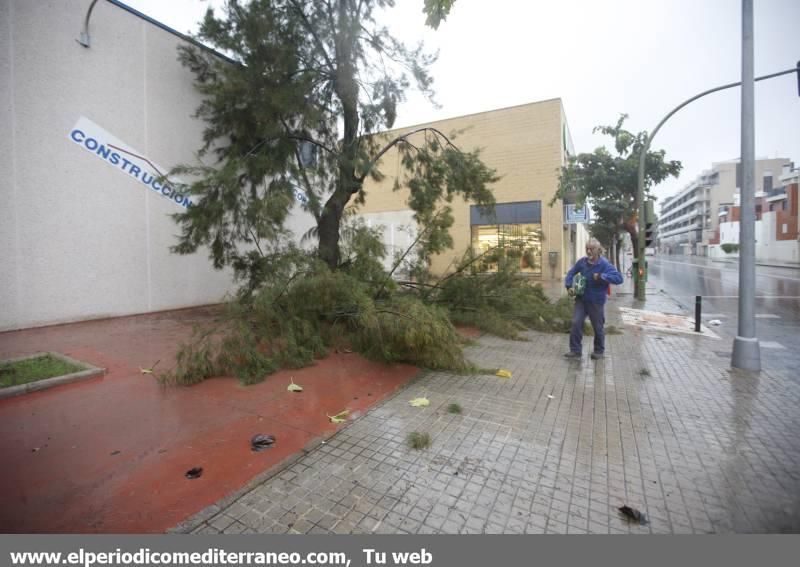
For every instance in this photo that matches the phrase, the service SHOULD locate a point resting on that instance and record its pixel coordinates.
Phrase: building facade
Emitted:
(86, 226)
(93, 120)
(527, 145)
(689, 222)
(776, 226)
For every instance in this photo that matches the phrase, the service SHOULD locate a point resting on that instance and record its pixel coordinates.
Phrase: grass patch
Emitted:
(417, 440)
(34, 369)
(454, 408)
(644, 372)
(613, 330)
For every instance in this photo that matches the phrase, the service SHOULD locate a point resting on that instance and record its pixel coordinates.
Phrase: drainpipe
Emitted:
(84, 38)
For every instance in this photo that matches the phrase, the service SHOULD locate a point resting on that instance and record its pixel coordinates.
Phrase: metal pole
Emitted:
(746, 354)
(640, 289)
(639, 265)
(698, 311)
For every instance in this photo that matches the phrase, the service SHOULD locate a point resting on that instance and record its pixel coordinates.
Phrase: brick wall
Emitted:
(787, 217)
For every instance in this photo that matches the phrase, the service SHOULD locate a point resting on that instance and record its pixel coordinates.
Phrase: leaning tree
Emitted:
(296, 108)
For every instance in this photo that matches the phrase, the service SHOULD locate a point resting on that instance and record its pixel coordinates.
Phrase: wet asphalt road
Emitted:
(777, 301)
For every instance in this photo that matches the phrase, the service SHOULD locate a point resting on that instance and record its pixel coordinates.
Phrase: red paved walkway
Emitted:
(74, 482)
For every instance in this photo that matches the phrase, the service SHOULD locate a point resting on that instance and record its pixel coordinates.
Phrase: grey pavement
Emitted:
(662, 424)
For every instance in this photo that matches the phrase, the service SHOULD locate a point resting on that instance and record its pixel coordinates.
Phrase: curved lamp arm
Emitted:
(84, 38)
(640, 290)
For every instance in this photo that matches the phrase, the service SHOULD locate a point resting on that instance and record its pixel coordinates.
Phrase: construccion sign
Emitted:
(100, 143)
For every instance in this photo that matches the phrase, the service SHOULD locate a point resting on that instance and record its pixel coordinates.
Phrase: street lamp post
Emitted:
(746, 352)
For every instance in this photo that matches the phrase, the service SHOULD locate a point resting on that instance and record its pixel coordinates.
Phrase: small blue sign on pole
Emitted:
(573, 215)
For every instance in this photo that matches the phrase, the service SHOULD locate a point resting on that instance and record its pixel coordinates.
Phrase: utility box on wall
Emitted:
(552, 261)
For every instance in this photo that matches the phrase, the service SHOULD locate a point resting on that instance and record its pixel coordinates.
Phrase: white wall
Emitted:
(768, 249)
(581, 238)
(399, 232)
(80, 239)
(729, 232)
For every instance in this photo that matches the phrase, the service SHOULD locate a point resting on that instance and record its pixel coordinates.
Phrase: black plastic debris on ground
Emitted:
(194, 473)
(260, 442)
(633, 515)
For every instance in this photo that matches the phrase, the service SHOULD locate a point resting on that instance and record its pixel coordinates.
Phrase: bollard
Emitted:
(698, 308)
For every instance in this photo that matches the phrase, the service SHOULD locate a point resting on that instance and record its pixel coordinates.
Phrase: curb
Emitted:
(90, 372)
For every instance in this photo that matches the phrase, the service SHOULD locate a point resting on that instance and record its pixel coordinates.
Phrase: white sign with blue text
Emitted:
(575, 216)
(119, 155)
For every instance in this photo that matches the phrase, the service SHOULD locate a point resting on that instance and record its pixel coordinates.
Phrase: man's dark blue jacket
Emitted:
(596, 291)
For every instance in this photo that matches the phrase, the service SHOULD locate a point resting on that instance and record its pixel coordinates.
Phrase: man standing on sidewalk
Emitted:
(592, 276)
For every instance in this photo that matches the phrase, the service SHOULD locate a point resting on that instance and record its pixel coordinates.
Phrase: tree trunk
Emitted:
(328, 231)
(347, 183)
(633, 231)
(612, 252)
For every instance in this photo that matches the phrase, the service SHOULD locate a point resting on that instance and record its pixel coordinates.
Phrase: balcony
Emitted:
(688, 216)
(679, 230)
(776, 195)
(674, 207)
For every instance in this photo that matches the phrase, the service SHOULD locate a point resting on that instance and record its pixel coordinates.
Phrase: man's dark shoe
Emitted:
(597, 355)
(572, 355)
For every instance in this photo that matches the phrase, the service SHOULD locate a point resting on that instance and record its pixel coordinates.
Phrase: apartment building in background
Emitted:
(776, 225)
(689, 221)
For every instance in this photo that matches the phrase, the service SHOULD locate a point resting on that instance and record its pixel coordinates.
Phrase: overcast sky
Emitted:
(602, 58)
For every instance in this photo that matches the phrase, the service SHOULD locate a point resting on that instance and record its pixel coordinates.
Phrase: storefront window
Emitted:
(521, 243)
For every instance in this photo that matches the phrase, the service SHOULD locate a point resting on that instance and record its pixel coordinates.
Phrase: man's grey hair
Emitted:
(594, 243)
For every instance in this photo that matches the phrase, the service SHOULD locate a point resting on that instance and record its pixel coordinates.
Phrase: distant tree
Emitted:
(608, 182)
(298, 113)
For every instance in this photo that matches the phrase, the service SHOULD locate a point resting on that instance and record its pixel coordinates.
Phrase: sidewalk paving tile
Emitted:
(661, 424)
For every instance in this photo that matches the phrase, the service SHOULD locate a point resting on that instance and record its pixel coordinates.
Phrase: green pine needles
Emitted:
(292, 325)
(306, 310)
(502, 303)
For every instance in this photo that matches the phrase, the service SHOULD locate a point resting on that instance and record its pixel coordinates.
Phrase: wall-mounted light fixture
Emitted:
(84, 38)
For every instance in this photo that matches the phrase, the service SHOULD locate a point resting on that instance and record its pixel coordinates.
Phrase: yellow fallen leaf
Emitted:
(340, 417)
(503, 373)
(149, 370)
(294, 387)
(420, 402)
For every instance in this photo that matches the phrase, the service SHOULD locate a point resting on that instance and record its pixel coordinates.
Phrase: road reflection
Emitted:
(777, 299)
(776, 288)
